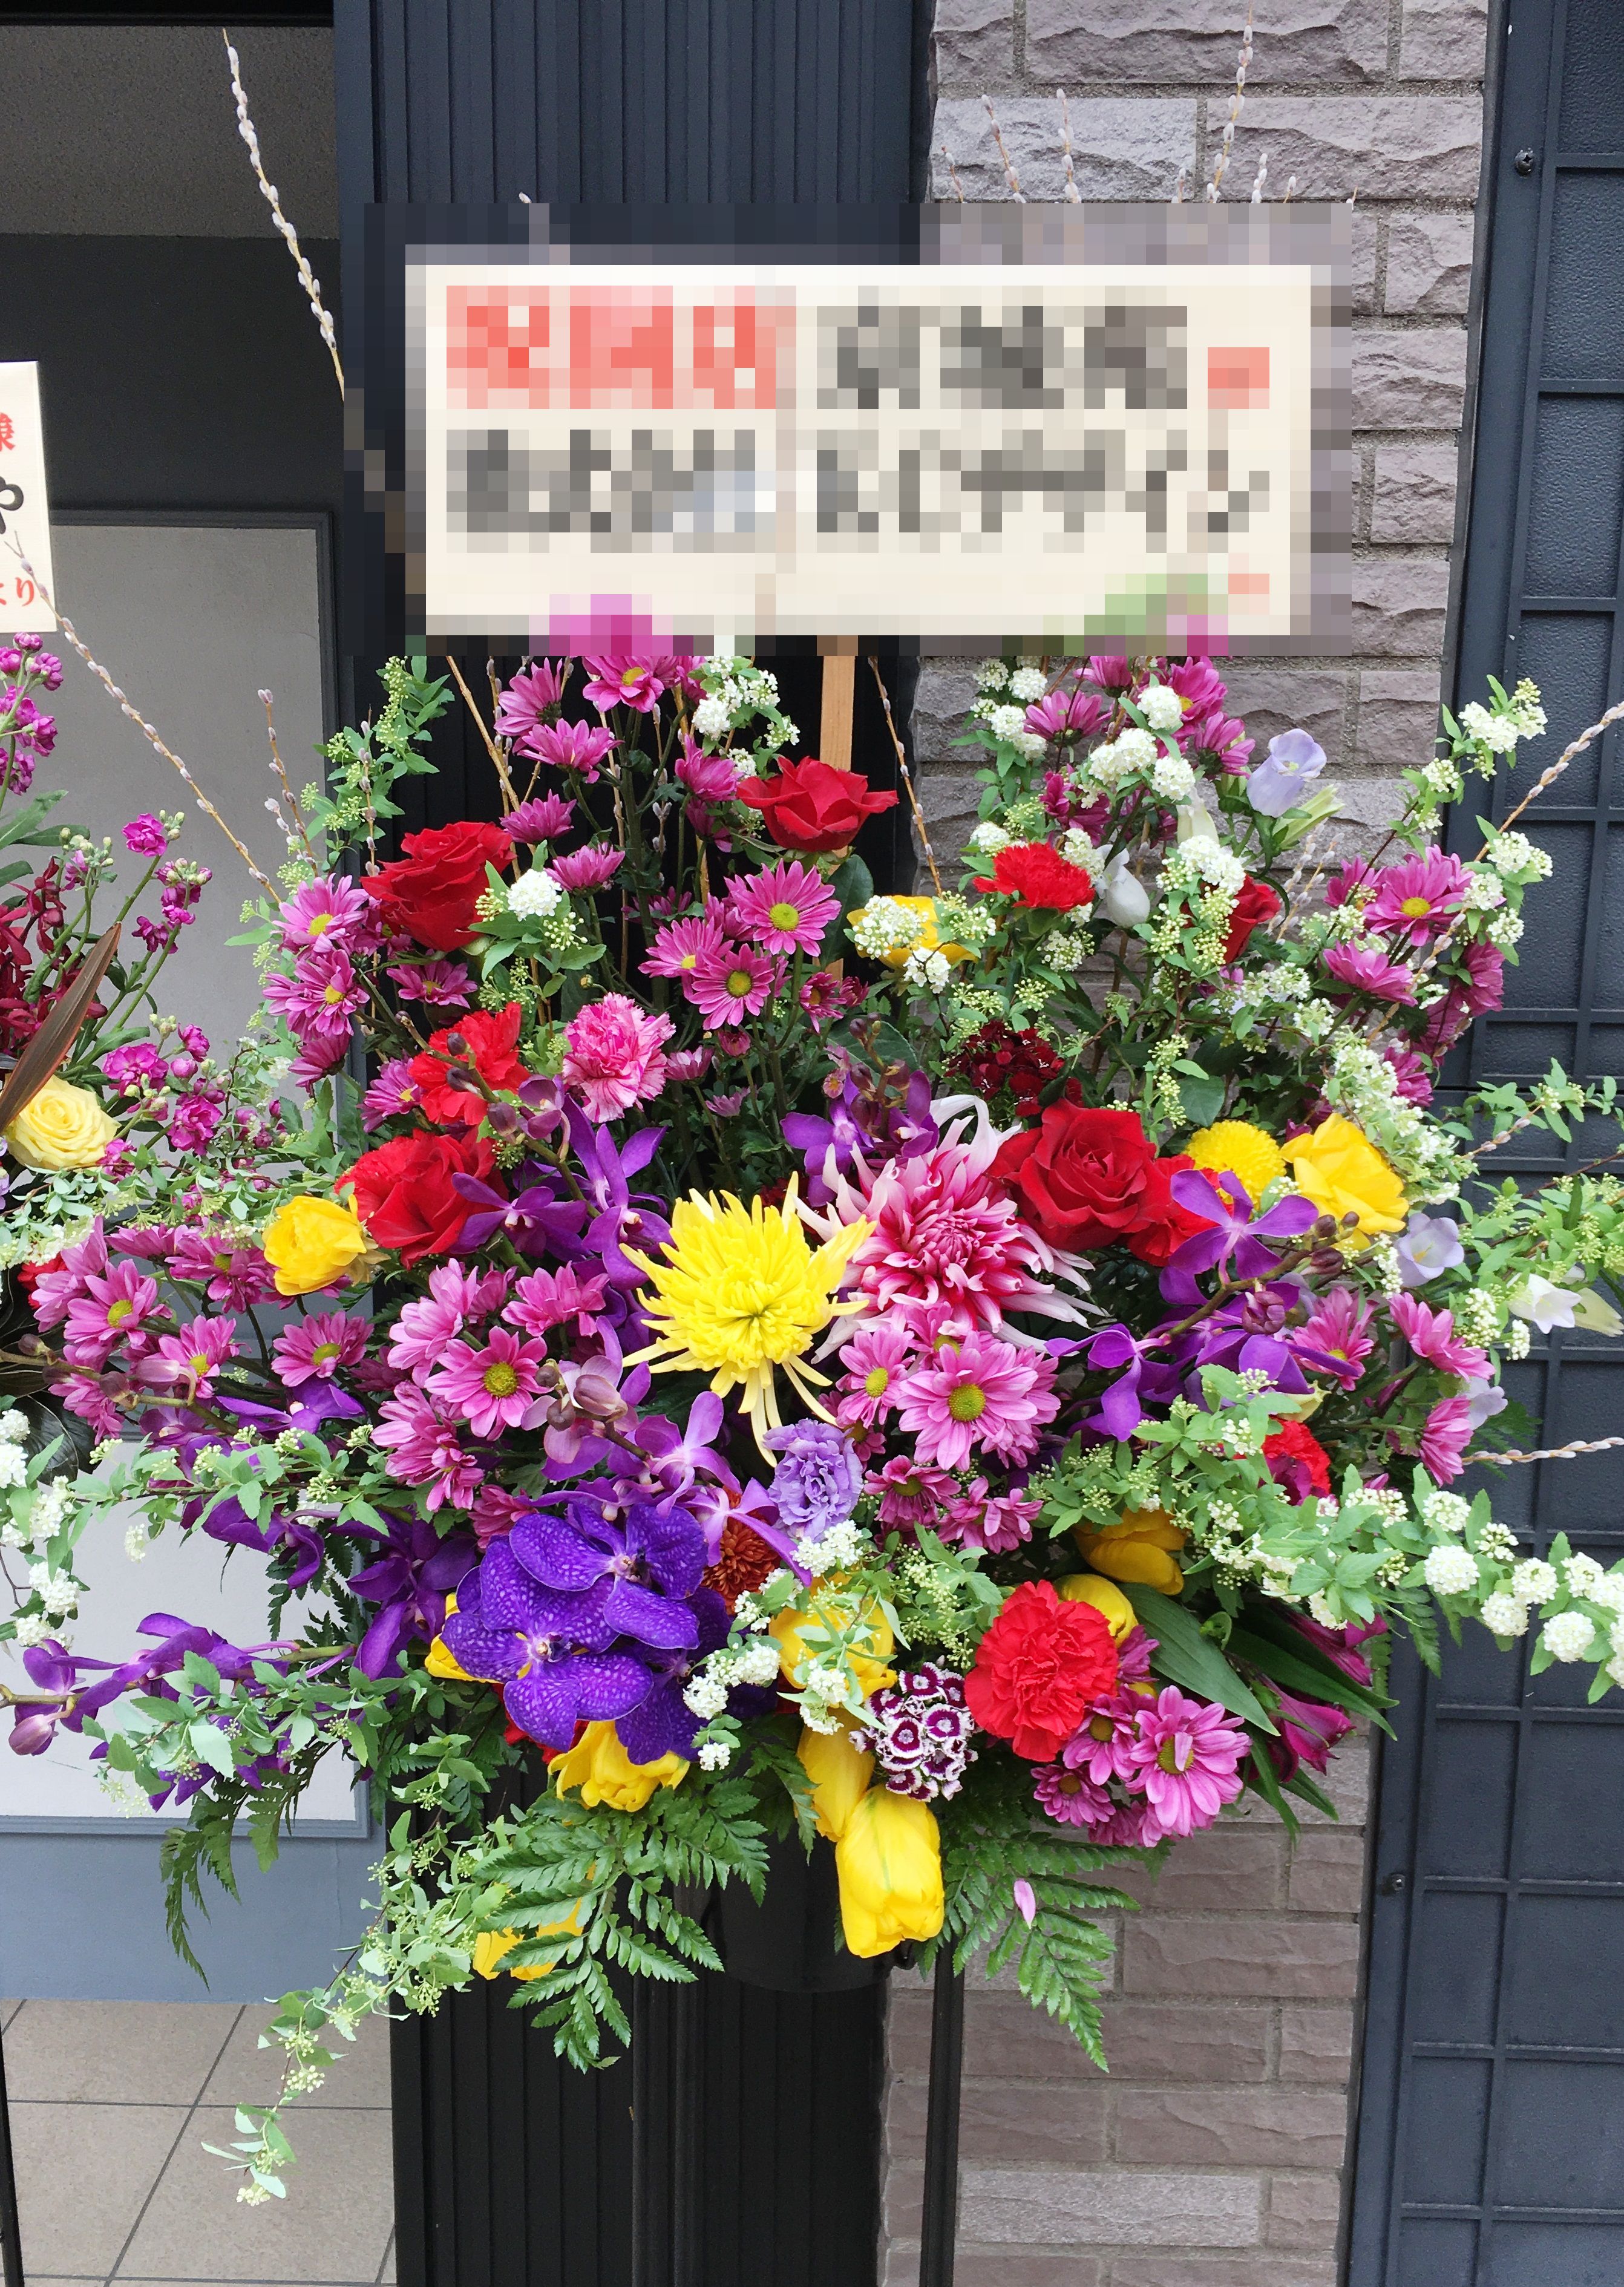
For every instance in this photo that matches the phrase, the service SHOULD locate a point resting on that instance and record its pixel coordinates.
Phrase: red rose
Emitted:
(1036, 873)
(404, 1194)
(489, 1045)
(1258, 902)
(1088, 1179)
(811, 806)
(1038, 1668)
(432, 892)
(1297, 1461)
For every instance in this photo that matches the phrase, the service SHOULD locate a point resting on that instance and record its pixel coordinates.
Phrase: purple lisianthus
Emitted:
(1290, 767)
(818, 1480)
(1427, 1245)
(144, 837)
(549, 1650)
(647, 1560)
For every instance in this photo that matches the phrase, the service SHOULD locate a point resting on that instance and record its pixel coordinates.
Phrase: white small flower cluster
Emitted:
(713, 717)
(1162, 710)
(1567, 1637)
(1364, 1085)
(1078, 849)
(885, 925)
(989, 838)
(1479, 1315)
(927, 972)
(536, 895)
(991, 675)
(1006, 723)
(1483, 893)
(1028, 684)
(1497, 732)
(1505, 931)
(1515, 859)
(1451, 1570)
(840, 1550)
(1068, 952)
(13, 1467)
(1202, 863)
(1171, 777)
(1442, 1512)
(707, 1689)
(1535, 1581)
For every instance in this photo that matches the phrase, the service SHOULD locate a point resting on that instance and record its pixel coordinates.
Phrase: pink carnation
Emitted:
(614, 1057)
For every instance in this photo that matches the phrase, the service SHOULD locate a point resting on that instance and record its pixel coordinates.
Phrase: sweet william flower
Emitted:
(889, 1864)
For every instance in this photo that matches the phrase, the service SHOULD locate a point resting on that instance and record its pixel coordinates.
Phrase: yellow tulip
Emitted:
(889, 1861)
(840, 1773)
(1141, 1546)
(1341, 1172)
(61, 1127)
(441, 1660)
(1107, 1598)
(312, 1242)
(600, 1766)
(832, 1610)
(491, 1947)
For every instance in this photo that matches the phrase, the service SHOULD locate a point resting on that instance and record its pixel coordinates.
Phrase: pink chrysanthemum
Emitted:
(316, 1348)
(875, 1361)
(1185, 1758)
(1338, 1327)
(496, 1385)
(786, 909)
(586, 869)
(1098, 1747)
(189, 1360)
(551, 1298)
(979, 1393)
(320, 996)
(65, 1282)
(996, 1522)
(393, 1092)
(1445, 1436)
(576, 746)
(1366, 969)
(441, 984)
(944, 1237)
(330, 911)
(108, 1310)
(228, 1274)
(612, 1059)
(731, 985)
(618, 681)
(680, 947)
(1418, 897)
(1070, 1797)
(523, 706)
(542, 819)
(423, 1451)
(1431, 1336)
(430, 1321)
(912, 1493)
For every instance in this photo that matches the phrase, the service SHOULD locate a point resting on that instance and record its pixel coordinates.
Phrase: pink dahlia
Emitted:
(612, 1059)
(1366, 969)
(1418, 897)
(109, 1308)
(496, 1385)
(1185, 1758)
(586, 869)
(315, 1348)
(1338, 1327)
(980, 1393)
(786, 909)
(875, 1361)
(423, 1451)
(1070, 1797)
(1445, 1436)
(680, 947)
(1431, 1336)
(551, 1298)
(735, 982)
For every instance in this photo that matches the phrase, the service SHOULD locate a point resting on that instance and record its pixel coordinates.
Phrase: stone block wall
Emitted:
(1212, 2154)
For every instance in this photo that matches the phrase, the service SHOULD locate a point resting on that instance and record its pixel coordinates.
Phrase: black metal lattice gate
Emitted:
(1491, 2146)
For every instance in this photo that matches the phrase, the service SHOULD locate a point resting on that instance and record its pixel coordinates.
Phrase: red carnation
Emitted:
(1258, 902)
(1036, 873)
(1038, 1669)
(405, 1197)
(432, 892)
(1086, 1179)
(1297, 1461)
(812, 807)
(489, 1045)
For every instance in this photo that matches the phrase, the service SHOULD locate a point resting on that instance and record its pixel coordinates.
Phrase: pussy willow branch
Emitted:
(140, 722)
(1237, 103)
(1073, 196)
(273, 199)
(1548, 1452)
(907, 776)
(1009, 174)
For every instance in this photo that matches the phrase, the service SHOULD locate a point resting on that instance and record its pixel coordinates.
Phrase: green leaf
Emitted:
(852, 883)
(1202, 1098)
(1184, 1656)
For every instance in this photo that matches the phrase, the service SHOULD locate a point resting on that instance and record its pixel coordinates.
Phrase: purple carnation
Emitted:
(818, 1480)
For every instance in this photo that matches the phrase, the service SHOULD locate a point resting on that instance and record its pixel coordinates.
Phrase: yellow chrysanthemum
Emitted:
(1235, 1147)
(741, 1291)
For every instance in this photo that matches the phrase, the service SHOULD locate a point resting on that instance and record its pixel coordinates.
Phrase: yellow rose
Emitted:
(931, 942)
(1107, 1598)
(840, 1773)
(889, 1862)
(1341, 1170)
(491, 1947)
(1234, 1146)
(831, 1610)
(1140, 1546)
(312, 1242)
(600, 1766)
(61, 1127)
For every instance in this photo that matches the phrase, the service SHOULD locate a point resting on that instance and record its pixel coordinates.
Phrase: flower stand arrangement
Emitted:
(718, 1362)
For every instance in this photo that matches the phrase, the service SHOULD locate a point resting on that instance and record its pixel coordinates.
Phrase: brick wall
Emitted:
(1212, 2154)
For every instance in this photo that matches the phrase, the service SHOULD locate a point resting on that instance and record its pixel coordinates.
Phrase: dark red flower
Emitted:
(432, 892)
(812, 807)
(489, 1044)
(1085, 1179)
(1258, 902)
(1036, 873)
(1008, 1070)
(1297, 1461)
(404, 1194)
(1038, 1668)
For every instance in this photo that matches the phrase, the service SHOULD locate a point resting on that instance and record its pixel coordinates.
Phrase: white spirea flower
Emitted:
(1172, 777)
(991, 675)
(1581, 1574)
(1503, 1615)
(705, 1696)
(711, 717)
(886, 925)
(1568, 1637)
(928, 972)
(535, 895)
(13, 1469)
(989, 838)
(1077, 849)
(1451, 1570)
(1534, 1580)
(12, 1536)
(1007, 723)
(715, 1755)
(1030, 745)
(1609, 1592)
(1105, 765)
(757, 1662)
(1497, 732)
(1028, 683)
(32, 1629)
(138, 1541)
(1162, 710)
(13, 1428)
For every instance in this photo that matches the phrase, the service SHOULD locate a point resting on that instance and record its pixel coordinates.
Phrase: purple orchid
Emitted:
(534, 1219)
(408, 1584)
(879, 1118)
(664, 1724)
(55, 1670)
(1237, 1237)
(678, 1457)
(1120, 1412)
(550, 1651)
(620, 1218)
(647, 1561)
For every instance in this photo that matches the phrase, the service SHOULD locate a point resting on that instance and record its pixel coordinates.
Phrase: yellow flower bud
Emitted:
(1107, 1598)
(1141, 1546)
(312, 1242)
(61, 1127)
(840, 1773)
(889, 1861)
(1341, 1172)
(491, 1947)
(832, 1610)
(600, 1766)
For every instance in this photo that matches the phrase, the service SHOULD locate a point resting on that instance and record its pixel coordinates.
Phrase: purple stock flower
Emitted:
(646, 1562)
(549, 1650)
(144, 837)
(409, 1583)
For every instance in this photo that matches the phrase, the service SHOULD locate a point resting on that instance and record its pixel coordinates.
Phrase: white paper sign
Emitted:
(25, 512)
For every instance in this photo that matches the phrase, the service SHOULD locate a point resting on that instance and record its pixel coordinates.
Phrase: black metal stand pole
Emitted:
(11, 2220)
(938, 2223)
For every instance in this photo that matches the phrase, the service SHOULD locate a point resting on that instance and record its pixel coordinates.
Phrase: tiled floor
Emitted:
(111, 2103)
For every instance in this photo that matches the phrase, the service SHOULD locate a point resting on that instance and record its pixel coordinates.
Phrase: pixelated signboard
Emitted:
(1023, 435)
